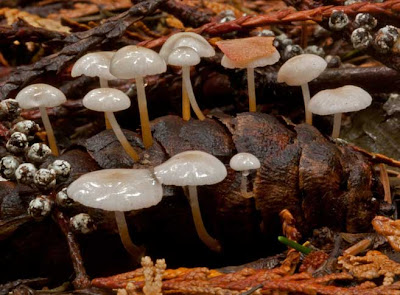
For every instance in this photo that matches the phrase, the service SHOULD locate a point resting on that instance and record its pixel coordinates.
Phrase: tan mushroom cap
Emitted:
(248, 52)
(106, 100)
(187, 39)
(133, 61)
(117, 189)
(340, 100)
(301, 69)
(191, 168)
(244, 161)
(40, 95)
(183, 56)
(260, 62)
(95, 64)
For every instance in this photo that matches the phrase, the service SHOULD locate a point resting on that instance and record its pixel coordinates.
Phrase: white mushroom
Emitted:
(244, 162)
(300, 70)
(136, 62)
(118, 190)
(42, 96)
(109, 100)
(185, 49)
(249, 53)
(193, 168)
(337, 101)
(95, 64)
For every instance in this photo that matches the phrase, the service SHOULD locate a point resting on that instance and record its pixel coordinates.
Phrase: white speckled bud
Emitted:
(338, 20)
(17, 143)
(38, 153)
(62, 198)
(61, 168)
(40, 207)
(45, 179)
(8, 165)
(25, 173)
(82, 223)
(27, 127)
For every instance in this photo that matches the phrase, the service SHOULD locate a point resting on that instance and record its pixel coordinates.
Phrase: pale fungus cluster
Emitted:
(121, 190)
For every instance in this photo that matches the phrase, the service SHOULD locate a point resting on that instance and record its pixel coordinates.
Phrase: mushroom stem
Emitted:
(306, 98)
(337, 120)
(185, 104)
(121, 137)
(189, 89)
(49, 131)
(144, 115)
(211, 243)
(104, 84)
(133, 250)
(243, 185)
(251, 89)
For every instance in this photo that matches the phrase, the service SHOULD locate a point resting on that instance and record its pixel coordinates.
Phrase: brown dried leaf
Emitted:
(388, 228)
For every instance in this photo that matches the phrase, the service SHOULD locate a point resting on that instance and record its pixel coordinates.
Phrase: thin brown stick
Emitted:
(385, 182)
(81, 280)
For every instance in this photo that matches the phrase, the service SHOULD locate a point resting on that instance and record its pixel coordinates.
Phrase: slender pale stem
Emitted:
(337, 120)
(185, 104)
(189, 89)
(104, 84)
(121, 137)
(251, 88)
(211, 243)
(144, 115)
(133, 250)
(306, 98)
(49, 131)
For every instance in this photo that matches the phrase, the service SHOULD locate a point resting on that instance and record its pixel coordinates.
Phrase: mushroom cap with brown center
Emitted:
(40, 95)
(117, 189)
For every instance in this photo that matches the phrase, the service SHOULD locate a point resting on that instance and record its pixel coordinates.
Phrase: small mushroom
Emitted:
(300, 70)
(137, 62)
(337, 101)
(109, 100)
(42, 96)
(118, 190)
(249, 53)
(185, 49)
(95, 64)
(244, 162)
(193, 168)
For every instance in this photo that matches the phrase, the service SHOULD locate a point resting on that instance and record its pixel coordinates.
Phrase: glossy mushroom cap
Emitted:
(191, 168)
(40, 95)
(95, 64)
(106, 100)
(133, 61)
(187, 39)
(117, 189)
(183, 56)
(340, 100)
(301, 69)
(244, 161)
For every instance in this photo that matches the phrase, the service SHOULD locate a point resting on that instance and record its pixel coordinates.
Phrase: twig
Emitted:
(81, 280)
